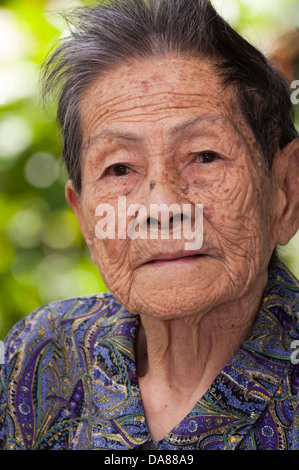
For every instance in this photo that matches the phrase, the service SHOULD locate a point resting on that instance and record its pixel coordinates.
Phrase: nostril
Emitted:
(152, 222)
(174, 220)
(177, 219)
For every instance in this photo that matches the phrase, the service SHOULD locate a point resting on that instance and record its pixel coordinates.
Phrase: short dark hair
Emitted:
(112, 33)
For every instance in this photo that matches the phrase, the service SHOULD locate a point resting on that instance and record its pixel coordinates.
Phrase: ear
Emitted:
(75, 201)
(286, 173)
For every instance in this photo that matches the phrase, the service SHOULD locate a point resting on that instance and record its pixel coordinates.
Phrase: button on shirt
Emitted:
(69, 381)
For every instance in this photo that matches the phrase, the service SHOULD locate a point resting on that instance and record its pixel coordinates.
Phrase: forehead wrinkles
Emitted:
(153, 107)
(145, 95)
(145, 112)
(147, 86)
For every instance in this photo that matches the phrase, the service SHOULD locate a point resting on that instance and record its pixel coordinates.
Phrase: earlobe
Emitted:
(286, 173)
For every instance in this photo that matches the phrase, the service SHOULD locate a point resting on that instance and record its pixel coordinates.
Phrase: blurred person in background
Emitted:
(285, 55)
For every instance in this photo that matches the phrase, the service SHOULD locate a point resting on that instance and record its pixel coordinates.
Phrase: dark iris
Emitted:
(119, 170)
(207, 157)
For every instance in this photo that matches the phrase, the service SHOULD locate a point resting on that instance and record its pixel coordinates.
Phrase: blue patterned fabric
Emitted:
(69, 381)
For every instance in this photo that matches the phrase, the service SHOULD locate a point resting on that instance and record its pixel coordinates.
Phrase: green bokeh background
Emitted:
(43, 256)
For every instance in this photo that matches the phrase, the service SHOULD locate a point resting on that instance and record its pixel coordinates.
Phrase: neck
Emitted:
(178, 359)
(188, 353)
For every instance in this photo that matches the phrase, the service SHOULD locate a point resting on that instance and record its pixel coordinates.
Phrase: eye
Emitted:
(207, 157)
(118, 170)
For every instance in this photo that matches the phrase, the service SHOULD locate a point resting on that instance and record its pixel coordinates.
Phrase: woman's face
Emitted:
(163, 131)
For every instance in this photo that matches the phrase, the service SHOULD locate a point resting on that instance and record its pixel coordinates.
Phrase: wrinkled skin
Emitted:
(159, 119)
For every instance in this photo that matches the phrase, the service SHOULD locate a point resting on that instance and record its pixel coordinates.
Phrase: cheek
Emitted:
(111, 189)
(106, 228)
(112, 260)
(111, 254)
(226, 190)
(234, 207)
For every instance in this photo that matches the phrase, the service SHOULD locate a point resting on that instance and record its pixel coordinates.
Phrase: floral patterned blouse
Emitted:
(69, 381)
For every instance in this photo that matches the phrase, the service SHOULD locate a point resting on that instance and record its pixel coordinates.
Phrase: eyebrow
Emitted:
(108, 133)
(197, 120)
(128, 136)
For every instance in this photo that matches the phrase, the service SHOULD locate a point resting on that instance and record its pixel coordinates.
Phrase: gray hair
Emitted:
(107, 35)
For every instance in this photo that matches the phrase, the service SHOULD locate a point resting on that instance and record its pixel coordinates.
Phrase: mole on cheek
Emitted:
(125, 190)
(185, 189)
(152, 184)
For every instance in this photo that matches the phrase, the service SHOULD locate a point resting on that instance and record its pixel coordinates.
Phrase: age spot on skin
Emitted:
(152, 184)
(185, 189)
(145, 85)
(200, 184)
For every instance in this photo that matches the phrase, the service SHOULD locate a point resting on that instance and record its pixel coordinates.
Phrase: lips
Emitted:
(173, 256)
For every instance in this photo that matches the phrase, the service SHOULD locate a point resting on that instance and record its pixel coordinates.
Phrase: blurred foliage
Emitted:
(43, 256)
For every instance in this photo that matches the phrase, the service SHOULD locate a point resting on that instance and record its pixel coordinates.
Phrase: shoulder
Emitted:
(277, 326)
(282, 283)
(45, 381)
(282, 295)
(280, 309)
(55, 322)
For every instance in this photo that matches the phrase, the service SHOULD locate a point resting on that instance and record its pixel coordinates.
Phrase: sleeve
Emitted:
(44, 388)
(11, 368)
(19, 390)
(3, 399)
(295, 443)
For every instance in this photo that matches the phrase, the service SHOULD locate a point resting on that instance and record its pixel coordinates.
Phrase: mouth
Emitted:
(180, 257)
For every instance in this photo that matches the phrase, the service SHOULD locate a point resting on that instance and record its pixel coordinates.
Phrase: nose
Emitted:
(162, 212)
(164, 218)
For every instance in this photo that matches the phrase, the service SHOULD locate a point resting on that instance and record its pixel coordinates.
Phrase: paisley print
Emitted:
(69, 381)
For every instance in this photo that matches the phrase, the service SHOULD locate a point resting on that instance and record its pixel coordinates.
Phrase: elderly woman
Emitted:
(161, 102)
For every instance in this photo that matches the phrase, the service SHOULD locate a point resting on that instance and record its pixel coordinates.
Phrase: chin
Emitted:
(175, 303)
